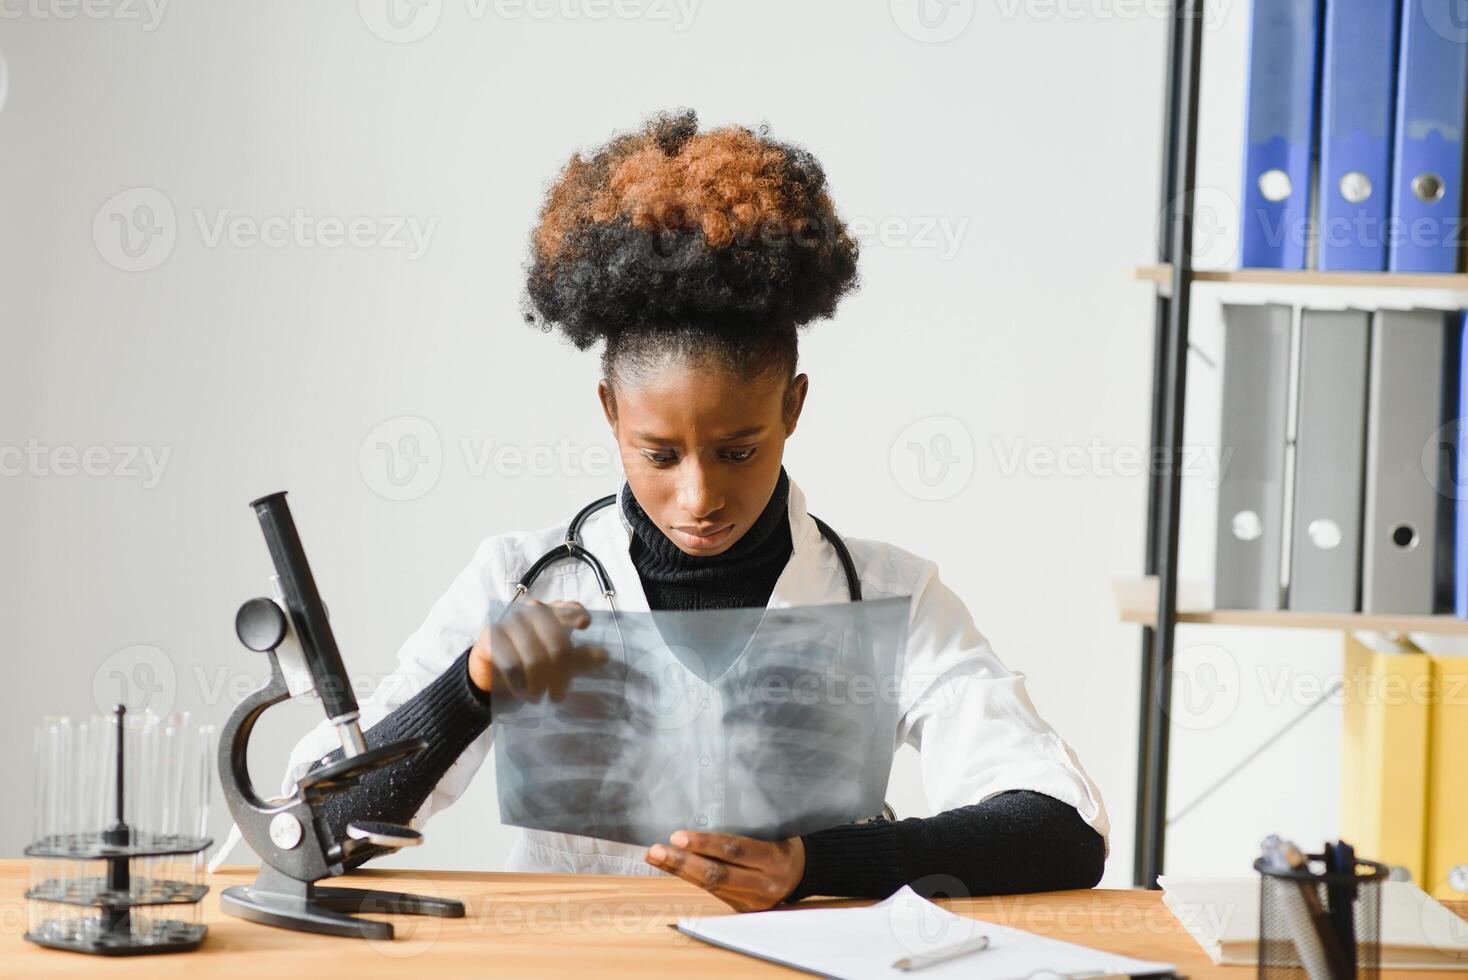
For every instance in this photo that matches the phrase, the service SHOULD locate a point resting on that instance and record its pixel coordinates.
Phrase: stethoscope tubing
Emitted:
(572, 549)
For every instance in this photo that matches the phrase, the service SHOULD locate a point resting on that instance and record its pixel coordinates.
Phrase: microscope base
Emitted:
(275, 900)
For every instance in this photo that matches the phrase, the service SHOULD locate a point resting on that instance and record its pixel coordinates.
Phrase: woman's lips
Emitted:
(708, 538)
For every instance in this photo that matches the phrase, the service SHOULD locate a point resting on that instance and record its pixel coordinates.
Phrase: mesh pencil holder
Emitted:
(1317, 925)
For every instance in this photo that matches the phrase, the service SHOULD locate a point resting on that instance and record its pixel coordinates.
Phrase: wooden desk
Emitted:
(525, 925)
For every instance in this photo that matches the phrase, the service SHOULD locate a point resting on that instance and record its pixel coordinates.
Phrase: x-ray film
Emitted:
(762, 722)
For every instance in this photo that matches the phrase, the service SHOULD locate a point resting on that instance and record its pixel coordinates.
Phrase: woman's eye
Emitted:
(739, 455)
(659, 459)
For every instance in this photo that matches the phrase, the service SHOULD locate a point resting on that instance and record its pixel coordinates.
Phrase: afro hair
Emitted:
(666, 232)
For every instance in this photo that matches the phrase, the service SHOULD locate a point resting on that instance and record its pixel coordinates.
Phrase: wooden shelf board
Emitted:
(1456, 281)
(1137, 599)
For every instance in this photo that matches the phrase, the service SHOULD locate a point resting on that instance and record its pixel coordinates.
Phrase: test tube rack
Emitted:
(119, 927)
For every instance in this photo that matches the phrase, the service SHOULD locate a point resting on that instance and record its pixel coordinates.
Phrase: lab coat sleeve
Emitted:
(451, 627)
(976, 730)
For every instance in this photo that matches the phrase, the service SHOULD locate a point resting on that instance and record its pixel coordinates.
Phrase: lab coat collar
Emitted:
(812, 575)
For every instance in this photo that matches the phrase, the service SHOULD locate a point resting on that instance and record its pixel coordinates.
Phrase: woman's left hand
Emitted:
(749, 875)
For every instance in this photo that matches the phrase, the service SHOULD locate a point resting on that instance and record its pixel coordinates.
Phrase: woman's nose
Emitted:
(698, 495)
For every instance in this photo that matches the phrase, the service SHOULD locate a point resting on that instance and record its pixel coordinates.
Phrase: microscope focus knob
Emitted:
(260, 624)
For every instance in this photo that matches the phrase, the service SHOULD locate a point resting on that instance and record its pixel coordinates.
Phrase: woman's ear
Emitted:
(608, 402)
(794, 401)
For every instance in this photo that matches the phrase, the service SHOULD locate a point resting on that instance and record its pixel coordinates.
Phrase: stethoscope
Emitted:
(574, 550)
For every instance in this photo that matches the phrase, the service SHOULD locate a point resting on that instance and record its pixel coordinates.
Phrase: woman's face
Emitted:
(702, 447)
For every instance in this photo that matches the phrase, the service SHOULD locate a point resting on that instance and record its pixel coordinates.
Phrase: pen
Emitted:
(1341, 860)
(943, 955)
(1314, 938)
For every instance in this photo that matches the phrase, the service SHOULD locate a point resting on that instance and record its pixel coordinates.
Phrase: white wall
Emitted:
(1032, 136)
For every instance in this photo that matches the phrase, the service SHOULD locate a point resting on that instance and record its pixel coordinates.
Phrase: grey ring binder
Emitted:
(1251, 496)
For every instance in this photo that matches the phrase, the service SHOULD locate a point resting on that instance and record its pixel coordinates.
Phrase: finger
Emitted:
(557, 648)
(554, 637)
(523, 638)
(565, 668)
(572, 615)
(740, 887)
(711, 875)
(577, 660)
(557, 682)
(554, 658)
(552, 640)
(508, 674)
(481, 663)
(588, 656)
(744, 852)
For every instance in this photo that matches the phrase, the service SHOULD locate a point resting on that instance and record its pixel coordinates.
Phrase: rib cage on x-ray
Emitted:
(762, 722)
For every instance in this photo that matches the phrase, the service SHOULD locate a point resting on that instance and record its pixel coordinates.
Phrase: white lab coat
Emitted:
(968, 715)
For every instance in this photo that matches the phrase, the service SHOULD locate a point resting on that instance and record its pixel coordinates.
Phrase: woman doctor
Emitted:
(693, 257)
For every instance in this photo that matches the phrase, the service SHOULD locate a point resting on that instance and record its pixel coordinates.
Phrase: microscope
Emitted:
(290, 834)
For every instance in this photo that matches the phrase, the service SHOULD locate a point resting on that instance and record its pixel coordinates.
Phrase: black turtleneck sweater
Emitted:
(743, 575)
(1017, 841)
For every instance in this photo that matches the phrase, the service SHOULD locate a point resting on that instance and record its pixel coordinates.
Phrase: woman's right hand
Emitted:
(530, 652)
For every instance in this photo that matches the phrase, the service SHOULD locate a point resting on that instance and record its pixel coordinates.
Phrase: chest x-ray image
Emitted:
(754, 721)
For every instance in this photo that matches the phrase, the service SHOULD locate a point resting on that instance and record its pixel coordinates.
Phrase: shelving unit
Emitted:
(1154, 601)
(1137, 601)
(1456, 281)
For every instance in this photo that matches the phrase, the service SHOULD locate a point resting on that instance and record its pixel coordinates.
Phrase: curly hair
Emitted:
(666, 239)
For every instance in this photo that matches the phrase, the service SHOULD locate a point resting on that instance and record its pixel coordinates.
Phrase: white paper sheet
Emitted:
(863, 943)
